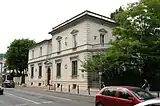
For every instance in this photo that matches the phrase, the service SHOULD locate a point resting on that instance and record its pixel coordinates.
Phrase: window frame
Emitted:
(59, 45)
(32, 72)
(32, 54)
(58, 69)
(74, 67)
(124, 90)
(39, 71)
(66, 38)
(74, 41)
(40, 51)
(115, 95)
(102, 41)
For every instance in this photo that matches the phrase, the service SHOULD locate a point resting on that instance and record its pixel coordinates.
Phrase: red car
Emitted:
(121, 96)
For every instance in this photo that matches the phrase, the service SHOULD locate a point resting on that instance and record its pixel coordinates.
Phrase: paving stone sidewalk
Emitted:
(91, 92)
(86, 92)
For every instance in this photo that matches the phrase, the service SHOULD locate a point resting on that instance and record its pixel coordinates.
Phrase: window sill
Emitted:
(58, 77)
(74, 48)
(74, 76)
(39, 77)
(58, 52)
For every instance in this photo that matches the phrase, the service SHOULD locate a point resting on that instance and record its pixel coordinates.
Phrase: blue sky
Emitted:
(33, 19)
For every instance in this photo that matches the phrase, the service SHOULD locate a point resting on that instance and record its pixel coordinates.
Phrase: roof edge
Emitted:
(86, 12)
(41, 42)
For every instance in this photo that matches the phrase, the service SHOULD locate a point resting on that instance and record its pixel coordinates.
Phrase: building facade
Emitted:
(58, 60)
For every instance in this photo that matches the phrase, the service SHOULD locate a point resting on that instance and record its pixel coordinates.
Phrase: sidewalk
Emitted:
(86, 92)
(92, 92)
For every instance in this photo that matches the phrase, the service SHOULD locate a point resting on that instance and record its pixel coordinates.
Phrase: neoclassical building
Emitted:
(58, 60)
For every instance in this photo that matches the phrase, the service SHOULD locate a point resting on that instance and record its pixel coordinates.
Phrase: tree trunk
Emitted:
(22, 77)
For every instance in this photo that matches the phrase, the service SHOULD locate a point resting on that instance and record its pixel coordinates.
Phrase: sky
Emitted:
(33, 19)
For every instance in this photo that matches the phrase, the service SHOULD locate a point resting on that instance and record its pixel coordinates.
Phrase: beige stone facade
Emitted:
(58, 60)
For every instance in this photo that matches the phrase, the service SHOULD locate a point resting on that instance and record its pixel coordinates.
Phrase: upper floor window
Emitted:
(74, 34)
(102, 35)
(49, 48)
(102, 39)
(66, 41)
(74, 41)
(59, 43)
(40, 51)
(32, 53)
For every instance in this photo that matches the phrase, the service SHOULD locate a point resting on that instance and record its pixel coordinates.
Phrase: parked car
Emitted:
(151, 102)
(8, 84)
(1, 90)
(121, 96)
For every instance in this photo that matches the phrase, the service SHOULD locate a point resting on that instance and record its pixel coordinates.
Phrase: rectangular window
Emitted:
(40, 72)
(74, 41)
(32, 72)
(102, 39)
(32, 53)
(40, 51)
(74, 68)
(58, 69)
(59, 45)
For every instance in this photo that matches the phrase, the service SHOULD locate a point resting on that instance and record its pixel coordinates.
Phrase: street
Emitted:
(32, 97)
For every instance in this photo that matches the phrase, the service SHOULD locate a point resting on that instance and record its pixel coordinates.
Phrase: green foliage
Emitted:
(112, 15)
(17, 55)
(93, 61)
(2, 55)
(137, 47)
(139, 27)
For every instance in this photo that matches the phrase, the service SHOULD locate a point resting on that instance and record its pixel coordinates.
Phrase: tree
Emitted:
(136, 49)
(17, 56)
(140, 23)
(112, 15)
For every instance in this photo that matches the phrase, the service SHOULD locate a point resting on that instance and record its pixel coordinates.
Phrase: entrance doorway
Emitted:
(48, 76)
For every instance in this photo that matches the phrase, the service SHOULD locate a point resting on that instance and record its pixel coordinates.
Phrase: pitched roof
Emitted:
(89, 13)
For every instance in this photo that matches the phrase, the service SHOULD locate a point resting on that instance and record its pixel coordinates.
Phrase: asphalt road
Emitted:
(33, 97)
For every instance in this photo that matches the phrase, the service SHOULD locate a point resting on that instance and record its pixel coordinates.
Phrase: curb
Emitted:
(47, 90)
(69, 93)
